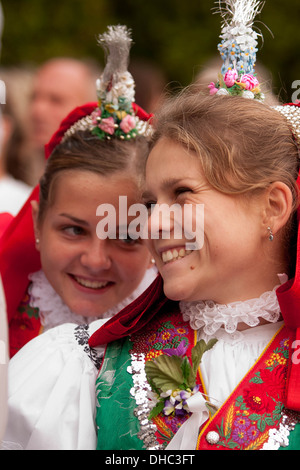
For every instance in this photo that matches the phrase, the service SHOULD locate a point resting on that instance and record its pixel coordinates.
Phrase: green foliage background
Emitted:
(180, 36)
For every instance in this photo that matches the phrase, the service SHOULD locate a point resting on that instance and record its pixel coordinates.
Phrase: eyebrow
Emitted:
(74, 219)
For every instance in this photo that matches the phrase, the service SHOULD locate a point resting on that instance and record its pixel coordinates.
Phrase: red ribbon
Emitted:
(135, 316)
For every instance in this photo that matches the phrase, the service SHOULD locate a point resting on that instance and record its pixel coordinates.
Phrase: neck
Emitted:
(2, 171)
(243, 326)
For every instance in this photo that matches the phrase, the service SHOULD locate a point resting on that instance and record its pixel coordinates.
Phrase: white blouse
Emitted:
(224, 366)
(235, 352)
(52, 380)
(52, 392)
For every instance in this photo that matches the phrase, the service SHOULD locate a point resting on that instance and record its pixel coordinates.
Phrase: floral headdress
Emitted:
(115, 115)
(238, 49)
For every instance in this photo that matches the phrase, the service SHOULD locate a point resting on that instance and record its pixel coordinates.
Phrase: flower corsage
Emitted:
(172, 378)
(234, 83)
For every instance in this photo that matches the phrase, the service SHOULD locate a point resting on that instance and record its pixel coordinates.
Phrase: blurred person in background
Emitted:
(59, 85)
(18, 84)
(13, 191)
(150, 83)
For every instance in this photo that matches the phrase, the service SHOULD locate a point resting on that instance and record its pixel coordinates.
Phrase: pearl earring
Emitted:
(271, 236)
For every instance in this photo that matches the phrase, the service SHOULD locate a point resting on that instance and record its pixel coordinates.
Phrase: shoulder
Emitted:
(51, 390)
(59, 345)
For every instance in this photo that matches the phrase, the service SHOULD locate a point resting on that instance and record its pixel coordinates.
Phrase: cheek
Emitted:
(133, 265)
(55, 254)
(51, 260)
(150, 245)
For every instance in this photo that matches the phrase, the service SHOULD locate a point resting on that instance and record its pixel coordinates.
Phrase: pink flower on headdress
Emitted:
(249, 81)
(95, 115)
(108, 125)
(212, 88)
(127, 123)
(230, 77)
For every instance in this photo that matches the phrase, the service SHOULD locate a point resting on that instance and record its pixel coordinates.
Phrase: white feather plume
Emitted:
(239, 40)
(239, 12)
(117, 43)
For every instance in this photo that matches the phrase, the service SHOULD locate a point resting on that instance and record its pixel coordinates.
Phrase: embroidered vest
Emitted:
(252, 418)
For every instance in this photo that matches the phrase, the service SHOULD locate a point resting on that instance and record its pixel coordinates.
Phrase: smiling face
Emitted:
(90, 274)
(233, 262)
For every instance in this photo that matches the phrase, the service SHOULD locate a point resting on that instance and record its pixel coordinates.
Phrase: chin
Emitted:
(85, 310)
(175, 292)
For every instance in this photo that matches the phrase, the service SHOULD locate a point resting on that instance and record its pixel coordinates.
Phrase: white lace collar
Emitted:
(212, 316)
(53, 311)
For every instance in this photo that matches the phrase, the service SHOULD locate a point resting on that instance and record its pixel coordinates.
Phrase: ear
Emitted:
(35, 214)
(279, 204)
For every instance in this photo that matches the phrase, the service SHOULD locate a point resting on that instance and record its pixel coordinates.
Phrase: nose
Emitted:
(38, 107)
(96, 256)
(162, 220)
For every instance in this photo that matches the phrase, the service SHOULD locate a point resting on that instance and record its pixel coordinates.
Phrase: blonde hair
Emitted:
(243, 145)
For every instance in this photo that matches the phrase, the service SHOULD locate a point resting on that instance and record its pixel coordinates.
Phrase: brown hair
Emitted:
(243, 145)
(85, 152)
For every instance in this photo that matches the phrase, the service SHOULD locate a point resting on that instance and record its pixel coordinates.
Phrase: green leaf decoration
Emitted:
(187, 374)
(211, 408)
(165, 372)
(98, 132)
(198, 351)
(157, 409)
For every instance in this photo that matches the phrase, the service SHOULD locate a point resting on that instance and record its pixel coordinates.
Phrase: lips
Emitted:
(174, 254)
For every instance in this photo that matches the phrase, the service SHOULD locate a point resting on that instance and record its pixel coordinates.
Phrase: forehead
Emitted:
(60, 79)
(77, 187)
(171, 161)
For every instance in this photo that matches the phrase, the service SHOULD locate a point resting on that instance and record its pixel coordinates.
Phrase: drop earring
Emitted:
(271, 236)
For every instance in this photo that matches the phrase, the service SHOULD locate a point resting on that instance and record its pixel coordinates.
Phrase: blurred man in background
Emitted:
(59, 85)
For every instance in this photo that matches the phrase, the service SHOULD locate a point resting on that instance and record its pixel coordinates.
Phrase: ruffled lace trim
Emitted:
(212, 316)
(53, 311)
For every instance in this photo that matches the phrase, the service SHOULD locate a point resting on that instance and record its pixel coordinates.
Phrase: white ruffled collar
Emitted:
(212, 316)
(53, 311)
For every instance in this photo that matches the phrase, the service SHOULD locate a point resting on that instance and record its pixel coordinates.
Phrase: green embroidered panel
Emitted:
(115, 406)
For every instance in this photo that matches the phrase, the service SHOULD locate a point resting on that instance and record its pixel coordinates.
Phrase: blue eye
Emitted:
(74, 230)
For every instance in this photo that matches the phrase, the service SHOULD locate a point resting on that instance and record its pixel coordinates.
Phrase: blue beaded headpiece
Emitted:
(238, 49)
